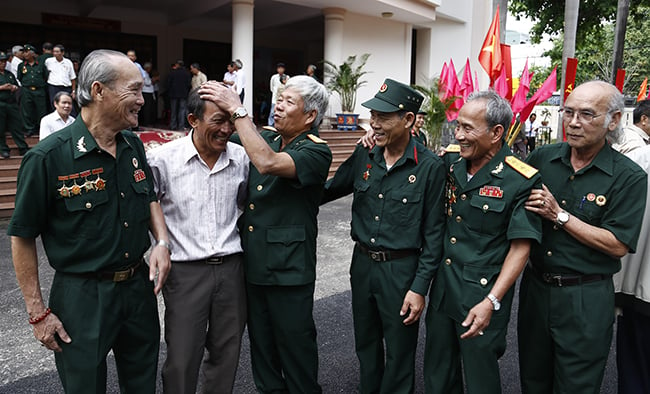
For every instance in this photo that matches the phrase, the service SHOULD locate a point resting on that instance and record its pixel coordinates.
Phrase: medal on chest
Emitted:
(366, 174)
(450, 195)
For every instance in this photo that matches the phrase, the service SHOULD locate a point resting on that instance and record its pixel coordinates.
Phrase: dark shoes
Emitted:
(4, 155)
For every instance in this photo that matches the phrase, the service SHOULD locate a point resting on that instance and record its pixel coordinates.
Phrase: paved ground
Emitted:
(25, 367)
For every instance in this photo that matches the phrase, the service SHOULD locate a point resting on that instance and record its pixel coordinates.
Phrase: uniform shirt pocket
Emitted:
(86, 209)
(286, 248)
(478, 281)
(140, 209)
(487, 215)
(405, 207)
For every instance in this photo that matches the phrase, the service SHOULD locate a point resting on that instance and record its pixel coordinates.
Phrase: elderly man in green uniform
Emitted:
(32, 75)
(591, 203)
(397, 223)
(278, 230)
(9, 115)
(487, 242)
(88, 192)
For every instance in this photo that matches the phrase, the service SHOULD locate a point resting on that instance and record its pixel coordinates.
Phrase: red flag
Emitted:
(620, 79)
(501, 84)
(466, 83)
(546, 90)
(570, 76)
(519, 100)
(443, 78)
(452, 81)
(507, 64)
(490, 56)
(527, 110)
(642, 92)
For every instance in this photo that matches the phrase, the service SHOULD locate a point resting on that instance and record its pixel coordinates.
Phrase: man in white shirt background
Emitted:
(531, 131)
(636, 135)
(240, 82)
(61, 77)
(19, 56)
(58, 119)
(277, 81)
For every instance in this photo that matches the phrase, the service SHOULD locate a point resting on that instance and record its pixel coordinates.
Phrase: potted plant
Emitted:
(436, 109)
(346, 80)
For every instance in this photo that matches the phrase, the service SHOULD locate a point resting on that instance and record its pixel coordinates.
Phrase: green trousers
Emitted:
(564, 335)
(104, 315)
(33, 106)
(378, 290)
(10, 122)
(284, 353)
(444, 351)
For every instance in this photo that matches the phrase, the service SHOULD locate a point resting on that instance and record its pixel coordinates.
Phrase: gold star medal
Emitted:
(87, 185)
(63, 190)
(100, 184)
(75, 189)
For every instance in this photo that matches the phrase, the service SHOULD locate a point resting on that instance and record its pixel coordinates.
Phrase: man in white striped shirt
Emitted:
(201, 182)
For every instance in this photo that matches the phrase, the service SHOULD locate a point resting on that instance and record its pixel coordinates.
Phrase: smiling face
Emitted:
(588, 98)
(390, 129)
(211, 133)
(475, 137)
(419, 121)
(289, 117)
(64, 106)
(122, 100)
(57, 53)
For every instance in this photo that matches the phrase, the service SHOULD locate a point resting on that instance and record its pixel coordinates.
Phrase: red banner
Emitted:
(620, 79)
(570, 73)
(507, 64)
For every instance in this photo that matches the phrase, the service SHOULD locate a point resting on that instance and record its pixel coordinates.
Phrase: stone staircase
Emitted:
(342, 144)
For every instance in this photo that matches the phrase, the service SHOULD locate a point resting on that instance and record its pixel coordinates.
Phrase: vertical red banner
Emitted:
(507, 63)
(569, 84)
(620, 79)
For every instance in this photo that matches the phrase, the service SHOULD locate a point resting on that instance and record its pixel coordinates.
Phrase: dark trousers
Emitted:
(633, 352)
(33, 107)
(564, 335)
(147, 114)
(284, 353)
(178, 113)
(104, 315)
(444, 351)
(385, 346)
(10, 122)
(205, 308)
(531, 144)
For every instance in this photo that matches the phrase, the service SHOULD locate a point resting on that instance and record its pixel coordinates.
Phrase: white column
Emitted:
(333, 47)
(242, 43)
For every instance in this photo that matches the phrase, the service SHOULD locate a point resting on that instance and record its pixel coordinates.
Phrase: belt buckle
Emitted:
(32, 87)
(552, 279)
(121, 276)
(214, 260)
(378, 256)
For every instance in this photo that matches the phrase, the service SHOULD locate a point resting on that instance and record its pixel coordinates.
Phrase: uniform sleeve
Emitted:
(341, 184)
(19, 74)
(32, 199)
(626, 206)
(312, 163)
(432, 229)
(524, 223)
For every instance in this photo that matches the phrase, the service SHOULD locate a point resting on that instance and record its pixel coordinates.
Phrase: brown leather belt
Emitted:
(114, 276)
(386, 255)
(561, 280)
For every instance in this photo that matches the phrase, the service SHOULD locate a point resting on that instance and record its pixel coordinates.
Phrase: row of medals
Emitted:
(76, 189)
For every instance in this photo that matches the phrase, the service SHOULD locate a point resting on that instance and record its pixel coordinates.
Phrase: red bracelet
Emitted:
(39, 319)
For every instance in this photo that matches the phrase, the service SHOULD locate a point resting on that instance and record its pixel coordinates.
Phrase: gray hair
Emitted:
(615, 104)
(96, 67)
(16, 49)
(497, 110)
(313, 94)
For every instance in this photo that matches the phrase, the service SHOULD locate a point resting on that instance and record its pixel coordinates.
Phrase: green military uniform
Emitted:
(566, 307)
(397, 213)
(10, 116)
(33, 100)
(420, 136)
(92, 213)
(278, 231)
(484, 214)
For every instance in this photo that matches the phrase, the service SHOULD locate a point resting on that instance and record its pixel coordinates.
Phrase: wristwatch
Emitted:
(562, 218)
(496, 305)
(164, 244)
(239, 113)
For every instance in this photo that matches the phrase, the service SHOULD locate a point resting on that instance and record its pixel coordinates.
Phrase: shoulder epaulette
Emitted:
(316, 139)
(524, 169)
(452, 148)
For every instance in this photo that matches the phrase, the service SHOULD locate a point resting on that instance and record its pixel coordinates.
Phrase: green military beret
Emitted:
(394, 96)
(3, 56)
(29, 47)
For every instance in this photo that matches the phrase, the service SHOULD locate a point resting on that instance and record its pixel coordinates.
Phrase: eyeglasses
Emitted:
(583, 116)
(467, 129)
